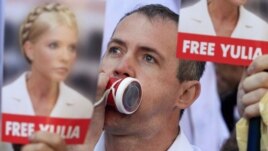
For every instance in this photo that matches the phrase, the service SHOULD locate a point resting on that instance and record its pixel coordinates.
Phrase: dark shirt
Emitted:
(228, 104)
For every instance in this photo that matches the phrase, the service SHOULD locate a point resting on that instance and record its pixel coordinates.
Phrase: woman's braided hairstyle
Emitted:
(27, 32)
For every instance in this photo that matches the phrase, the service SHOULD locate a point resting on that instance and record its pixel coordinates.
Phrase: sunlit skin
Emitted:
(52, 56)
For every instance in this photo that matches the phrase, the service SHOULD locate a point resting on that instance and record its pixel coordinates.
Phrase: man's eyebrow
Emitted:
(117, 41)
(143, 48)
(152, 50)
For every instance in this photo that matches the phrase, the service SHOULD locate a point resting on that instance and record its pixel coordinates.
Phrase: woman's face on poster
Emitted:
(53, 53)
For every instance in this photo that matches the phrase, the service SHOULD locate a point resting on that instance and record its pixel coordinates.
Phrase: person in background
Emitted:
(228, 78)
(224, 18)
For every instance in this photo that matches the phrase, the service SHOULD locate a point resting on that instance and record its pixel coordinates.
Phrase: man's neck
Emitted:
(159, 141)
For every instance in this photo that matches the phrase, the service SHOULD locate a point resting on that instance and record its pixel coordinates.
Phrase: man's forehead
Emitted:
(141, 19)
(152, 19)
(136, 30)
(139, 25)
(128, 20)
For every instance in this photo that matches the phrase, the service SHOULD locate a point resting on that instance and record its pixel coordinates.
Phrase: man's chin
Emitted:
(113, 118)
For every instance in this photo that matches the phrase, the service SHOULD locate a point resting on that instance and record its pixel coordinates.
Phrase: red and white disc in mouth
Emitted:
(125, 94)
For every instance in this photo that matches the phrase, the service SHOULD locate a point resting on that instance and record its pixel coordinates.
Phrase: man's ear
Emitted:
(190, 92)
(28, 50)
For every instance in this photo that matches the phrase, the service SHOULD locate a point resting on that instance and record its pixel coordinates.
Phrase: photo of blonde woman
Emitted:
(227, 18)
(48, 38)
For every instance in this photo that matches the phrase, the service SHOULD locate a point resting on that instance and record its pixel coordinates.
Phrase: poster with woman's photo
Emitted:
(223, 31)
(50, 68)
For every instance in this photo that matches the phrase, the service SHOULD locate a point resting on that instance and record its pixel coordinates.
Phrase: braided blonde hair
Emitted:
(43, 18)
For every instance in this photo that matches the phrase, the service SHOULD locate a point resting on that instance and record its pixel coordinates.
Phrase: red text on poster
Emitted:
(219, 49)
(18, 128)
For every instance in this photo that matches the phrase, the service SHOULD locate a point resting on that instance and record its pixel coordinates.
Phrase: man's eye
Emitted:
(53, 45)
(114, 50)
(149, 58)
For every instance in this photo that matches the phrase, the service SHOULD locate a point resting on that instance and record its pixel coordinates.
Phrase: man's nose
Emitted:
(125, 67)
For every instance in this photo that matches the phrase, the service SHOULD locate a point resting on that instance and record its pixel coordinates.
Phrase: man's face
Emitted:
(145, 50)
